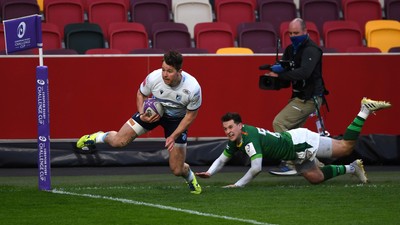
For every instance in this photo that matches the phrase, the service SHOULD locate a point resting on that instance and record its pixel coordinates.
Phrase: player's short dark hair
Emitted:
(174, 59)
(231, 116)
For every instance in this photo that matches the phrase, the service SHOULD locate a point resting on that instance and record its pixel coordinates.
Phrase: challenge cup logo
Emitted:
(42, 138)
(21, 29)
(41, 82)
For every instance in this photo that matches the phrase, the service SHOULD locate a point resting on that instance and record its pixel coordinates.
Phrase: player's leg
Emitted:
(177, 160)
(133, 128)
(321, 148)
(344, 147)
(316, 175)
(310, 171)
(325, 150)
(177, 156)
(121, 138)
(115, 139)
(179, 168)
(331, 148)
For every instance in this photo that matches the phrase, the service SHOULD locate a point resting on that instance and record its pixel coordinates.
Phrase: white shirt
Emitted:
(176, 100)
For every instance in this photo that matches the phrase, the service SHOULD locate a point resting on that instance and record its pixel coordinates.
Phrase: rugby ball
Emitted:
(151, 106)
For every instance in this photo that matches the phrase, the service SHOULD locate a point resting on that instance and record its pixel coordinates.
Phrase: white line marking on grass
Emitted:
(160, 207)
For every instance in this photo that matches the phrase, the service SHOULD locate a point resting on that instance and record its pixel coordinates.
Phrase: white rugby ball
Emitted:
(151, 106)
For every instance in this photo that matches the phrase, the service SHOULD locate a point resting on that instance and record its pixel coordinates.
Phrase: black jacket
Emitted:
(306, 73)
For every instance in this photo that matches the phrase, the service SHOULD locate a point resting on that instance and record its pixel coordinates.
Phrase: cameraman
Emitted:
(305, 75)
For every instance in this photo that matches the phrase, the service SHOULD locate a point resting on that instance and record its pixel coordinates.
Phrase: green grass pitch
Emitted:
(165, 199)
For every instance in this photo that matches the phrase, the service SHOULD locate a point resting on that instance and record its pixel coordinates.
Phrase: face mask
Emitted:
(297, 40)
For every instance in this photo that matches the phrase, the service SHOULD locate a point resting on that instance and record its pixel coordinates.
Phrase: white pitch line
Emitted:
(160, 207)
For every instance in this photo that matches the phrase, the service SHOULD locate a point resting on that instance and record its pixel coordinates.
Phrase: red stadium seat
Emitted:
(63, 12)
(148, 12)
(214, 35)
(17, 8)
(276, 12)
(85, 3)
(319, 11)
(257, 36)
(105, 12)
(342, 35)
(170, 35)
(234, 12)
(127, 36)
(51, 36)
(362, 11)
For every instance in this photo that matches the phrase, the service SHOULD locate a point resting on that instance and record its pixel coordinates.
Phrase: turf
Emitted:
(165, 199)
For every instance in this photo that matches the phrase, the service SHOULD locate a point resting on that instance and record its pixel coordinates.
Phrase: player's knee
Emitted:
(347, 146)
(177, 171)
(314, 178)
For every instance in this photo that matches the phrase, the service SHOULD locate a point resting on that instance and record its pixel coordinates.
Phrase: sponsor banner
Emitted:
(43, 121)
(23, 33)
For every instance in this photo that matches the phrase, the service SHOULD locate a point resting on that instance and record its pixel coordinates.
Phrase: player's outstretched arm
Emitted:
(255, 169)
(215, 167)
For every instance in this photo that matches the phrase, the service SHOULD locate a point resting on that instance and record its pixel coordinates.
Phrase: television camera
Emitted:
(274, 83)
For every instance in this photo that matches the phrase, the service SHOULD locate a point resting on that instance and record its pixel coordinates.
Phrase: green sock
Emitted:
(354, 129)
(333, 171)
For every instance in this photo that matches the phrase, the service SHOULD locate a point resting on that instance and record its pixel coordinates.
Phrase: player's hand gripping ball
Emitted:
(151, 106)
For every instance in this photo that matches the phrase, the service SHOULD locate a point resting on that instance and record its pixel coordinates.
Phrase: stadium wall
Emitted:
(94, 92)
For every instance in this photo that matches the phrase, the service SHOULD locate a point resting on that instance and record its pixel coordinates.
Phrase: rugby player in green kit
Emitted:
(300, 145)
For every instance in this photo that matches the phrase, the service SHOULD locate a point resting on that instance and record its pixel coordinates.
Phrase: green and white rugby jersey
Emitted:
(259, 142)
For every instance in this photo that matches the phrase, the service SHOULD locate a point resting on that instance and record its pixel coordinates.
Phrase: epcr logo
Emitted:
(42, 138)
(21, 29)
(41, 82)
(184, 136)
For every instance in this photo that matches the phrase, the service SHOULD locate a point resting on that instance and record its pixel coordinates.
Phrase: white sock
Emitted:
(349, 169)
(100, 137)
(364, 112)
(189, 177)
